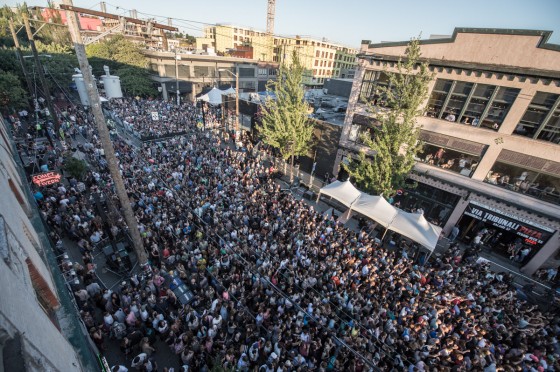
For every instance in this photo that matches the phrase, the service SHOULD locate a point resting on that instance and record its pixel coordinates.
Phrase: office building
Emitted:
(491, 134)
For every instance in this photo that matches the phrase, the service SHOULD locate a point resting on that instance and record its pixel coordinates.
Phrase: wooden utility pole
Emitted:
(41, 74)
(22, 60)
(93, 95)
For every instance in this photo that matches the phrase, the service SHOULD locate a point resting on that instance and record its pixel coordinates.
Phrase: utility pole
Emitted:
(74, 28)
(21, 60)
(41, 73)
(178, 91)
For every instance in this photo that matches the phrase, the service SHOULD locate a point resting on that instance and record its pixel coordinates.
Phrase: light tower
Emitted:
(270, 16)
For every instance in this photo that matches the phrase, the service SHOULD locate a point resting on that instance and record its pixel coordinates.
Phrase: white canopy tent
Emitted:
(214, 97)
(376, 208)
(415, 226)
(344, 192)
(412, 225)
(230, 90)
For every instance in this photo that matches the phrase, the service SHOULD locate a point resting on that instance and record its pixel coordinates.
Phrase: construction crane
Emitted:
(270, 17)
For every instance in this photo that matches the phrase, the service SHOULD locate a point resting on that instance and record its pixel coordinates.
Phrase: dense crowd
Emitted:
(154, 118)
(278, 286)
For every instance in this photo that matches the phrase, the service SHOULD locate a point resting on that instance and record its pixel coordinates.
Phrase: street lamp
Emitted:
(236, 101)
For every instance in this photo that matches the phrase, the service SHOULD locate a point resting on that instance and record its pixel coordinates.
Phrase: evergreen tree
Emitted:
(395, 142)
(285, 120)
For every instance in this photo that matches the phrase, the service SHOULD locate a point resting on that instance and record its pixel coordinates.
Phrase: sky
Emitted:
(347, 22)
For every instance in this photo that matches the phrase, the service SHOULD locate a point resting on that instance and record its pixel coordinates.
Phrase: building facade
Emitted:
(30, 333)
(491, 133)
(321, 58)
(195, 72)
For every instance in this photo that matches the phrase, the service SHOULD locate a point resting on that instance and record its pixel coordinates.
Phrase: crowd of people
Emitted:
(277, 285)
(154, 118)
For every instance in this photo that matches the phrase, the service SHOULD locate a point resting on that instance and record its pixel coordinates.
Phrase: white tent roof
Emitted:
(376, 208)
(229, 90)
(214, 97)
(416, 227)
(344, 192)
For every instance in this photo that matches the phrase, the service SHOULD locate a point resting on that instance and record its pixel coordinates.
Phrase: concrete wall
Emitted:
(495, 49)
(43, 346)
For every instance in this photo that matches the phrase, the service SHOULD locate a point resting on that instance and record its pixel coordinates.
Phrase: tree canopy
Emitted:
(285, 120)
(395, 141)
(12, 94)
(126, 60)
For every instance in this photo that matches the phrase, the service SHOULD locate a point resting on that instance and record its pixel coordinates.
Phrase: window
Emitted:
(246, 72)
(449, 159)
(535, 115)
(317, 54)
(499, 107)
(525, 180)
(477, 104)
(322, 54)
(330, 56)
(551, 130)
(316, 62)
(263, 71)
(457, 100)
(330, 64)
(438, 97)
(234, 37)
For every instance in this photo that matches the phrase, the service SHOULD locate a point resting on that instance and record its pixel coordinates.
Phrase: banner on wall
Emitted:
(532, 235)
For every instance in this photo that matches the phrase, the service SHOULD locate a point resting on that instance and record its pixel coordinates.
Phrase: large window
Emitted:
(499, 107)
(524, 180)
(438, 97)
(457, 100)
(538, 122)
(479, 105)
(446, 158)
(371, 86)
(478, 102)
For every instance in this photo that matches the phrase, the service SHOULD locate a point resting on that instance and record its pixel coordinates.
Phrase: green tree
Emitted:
(75, 167)
(125, 59)
(12, 94)
(395, 142)
(285, 121)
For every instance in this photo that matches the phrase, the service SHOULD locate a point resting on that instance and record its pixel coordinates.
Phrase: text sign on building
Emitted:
(531, 235)
(45, 179)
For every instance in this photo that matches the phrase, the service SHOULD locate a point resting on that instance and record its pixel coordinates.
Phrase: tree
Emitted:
(75, 167)
(12, 94)
(285, 121)
(126, 60)
(395, 142)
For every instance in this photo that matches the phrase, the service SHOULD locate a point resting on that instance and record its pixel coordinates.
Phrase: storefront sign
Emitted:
(532, 235)
(45, 179)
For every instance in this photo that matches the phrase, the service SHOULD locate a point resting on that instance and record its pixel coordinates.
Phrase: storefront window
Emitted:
(449, 159)
(506, 234)
(499, 107)
(536, 184)
(535, 115)
(438, 97)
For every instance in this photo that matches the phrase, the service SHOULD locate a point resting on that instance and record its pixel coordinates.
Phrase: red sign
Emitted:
(45, 179)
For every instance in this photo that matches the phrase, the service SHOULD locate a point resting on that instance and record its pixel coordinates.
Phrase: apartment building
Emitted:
(321, 58)
(491, 132)
(31, 338)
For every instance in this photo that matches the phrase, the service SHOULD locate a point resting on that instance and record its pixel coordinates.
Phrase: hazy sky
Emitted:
(348, 21)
